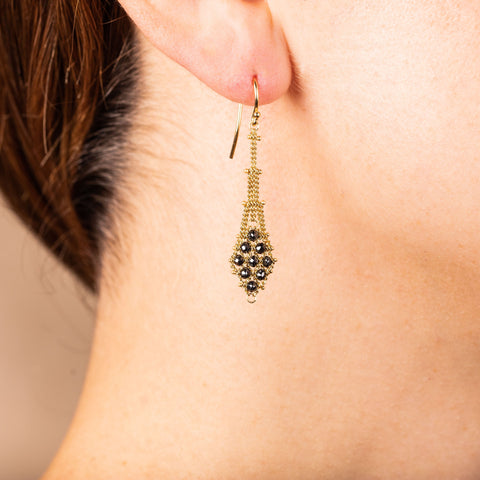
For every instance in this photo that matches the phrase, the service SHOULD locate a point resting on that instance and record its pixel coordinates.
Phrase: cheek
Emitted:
(397, 96)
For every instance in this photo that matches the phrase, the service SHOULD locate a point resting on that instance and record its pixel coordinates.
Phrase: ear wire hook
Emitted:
(239, 117)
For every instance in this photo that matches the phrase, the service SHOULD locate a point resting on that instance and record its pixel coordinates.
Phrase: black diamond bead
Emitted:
(261, 274)
(245, 247)
(260, 247)
(267, 261)
(252, 235)
(245, 272)
(251, 286)
(238, 260)
(253, 261)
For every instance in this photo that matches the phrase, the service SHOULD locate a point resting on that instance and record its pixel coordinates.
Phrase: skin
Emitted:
(360, 359)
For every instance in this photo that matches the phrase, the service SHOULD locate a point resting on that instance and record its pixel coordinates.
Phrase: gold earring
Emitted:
(252, 260)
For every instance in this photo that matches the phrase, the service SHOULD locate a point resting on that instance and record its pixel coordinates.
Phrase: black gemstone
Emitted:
(261, 274)
(253, 261)
(252, 235)
(251, 286)
(245, 247)
(245, 272)
(267, 261)
(260, 247)
(238, 260)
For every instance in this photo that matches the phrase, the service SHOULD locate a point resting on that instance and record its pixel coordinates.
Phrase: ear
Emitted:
(225, 43)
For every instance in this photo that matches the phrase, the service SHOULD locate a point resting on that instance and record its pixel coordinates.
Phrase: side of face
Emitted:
(394, 90)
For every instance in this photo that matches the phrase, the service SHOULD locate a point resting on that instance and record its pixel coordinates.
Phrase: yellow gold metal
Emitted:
(237, 130)
(256, 255)
(239, 117)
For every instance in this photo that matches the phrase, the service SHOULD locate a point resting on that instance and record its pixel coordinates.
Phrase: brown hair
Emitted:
(67, 76)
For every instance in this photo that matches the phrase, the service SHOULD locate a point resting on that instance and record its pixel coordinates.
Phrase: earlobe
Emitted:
(224, 44)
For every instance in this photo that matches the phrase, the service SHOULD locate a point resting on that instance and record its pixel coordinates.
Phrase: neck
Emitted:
(356, 339)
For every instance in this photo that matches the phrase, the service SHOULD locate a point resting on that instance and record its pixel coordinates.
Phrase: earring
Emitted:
(252, 260)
